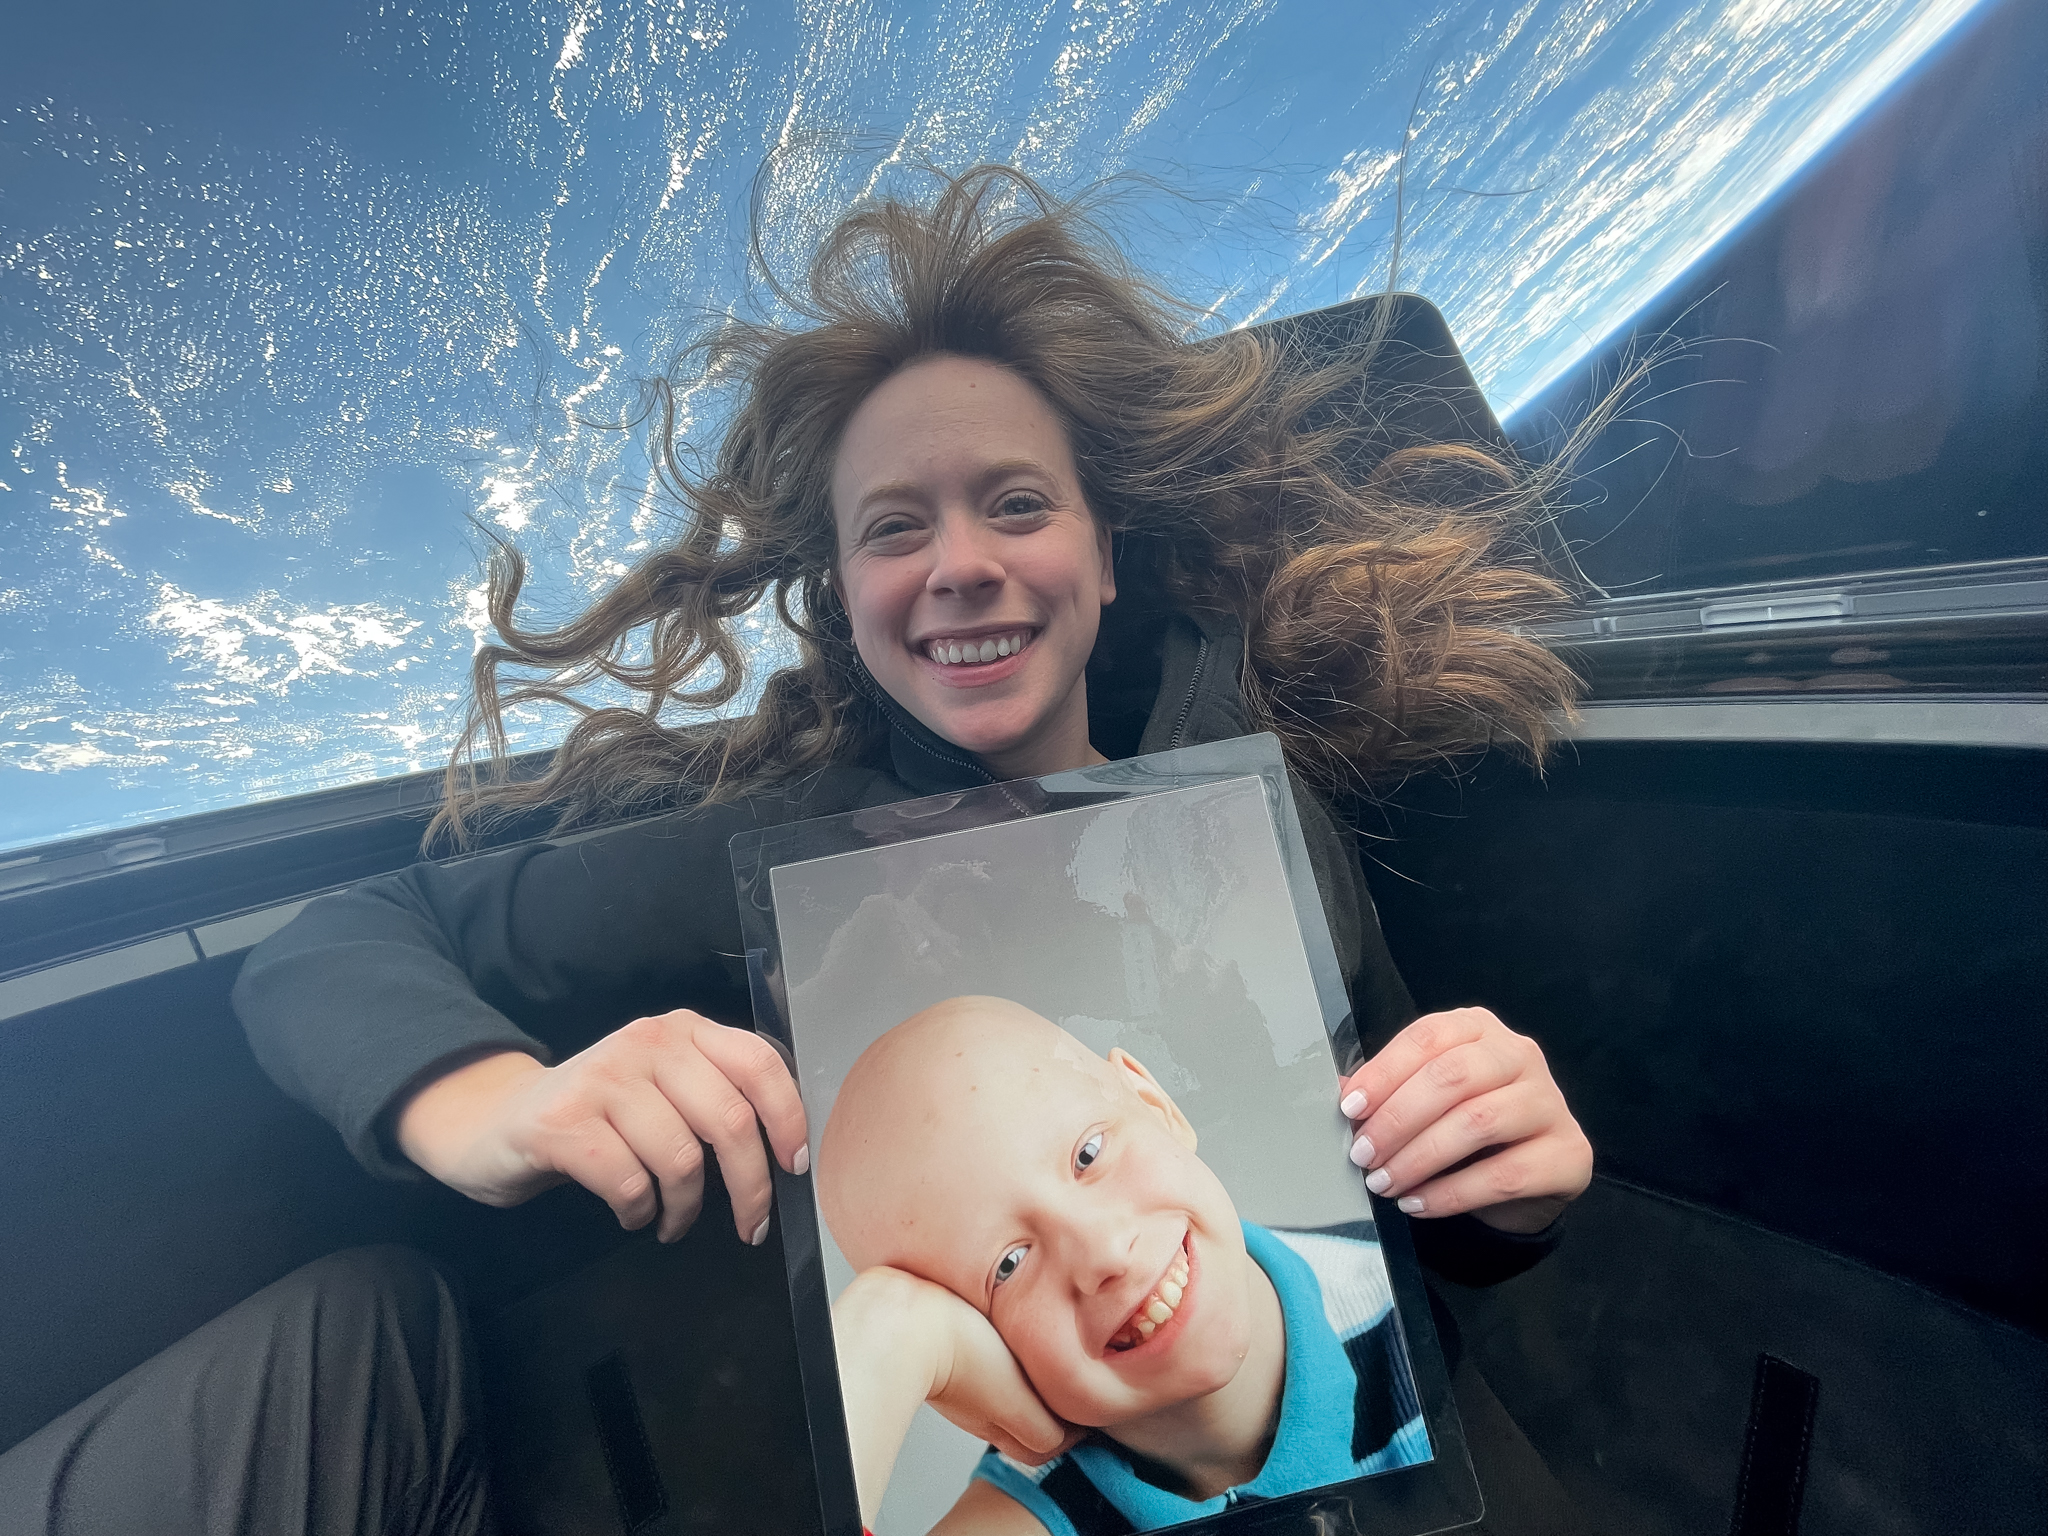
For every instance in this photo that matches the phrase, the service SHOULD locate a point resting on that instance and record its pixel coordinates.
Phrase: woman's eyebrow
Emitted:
(894, 490)
(986, 476)
(1004, 468)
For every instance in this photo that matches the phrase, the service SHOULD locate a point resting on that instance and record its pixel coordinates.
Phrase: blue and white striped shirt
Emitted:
(1347, 1404)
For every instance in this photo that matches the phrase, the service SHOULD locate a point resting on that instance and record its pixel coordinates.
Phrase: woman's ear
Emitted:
(1108, 553)
(1155, 1098)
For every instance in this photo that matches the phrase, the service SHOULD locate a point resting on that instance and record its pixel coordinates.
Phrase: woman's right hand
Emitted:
(628, 1119)
(901, 1341)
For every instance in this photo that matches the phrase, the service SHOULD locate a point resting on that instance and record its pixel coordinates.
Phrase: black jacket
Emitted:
(547, 947)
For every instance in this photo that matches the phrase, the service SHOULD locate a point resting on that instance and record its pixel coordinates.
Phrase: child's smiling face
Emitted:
(985, 1149)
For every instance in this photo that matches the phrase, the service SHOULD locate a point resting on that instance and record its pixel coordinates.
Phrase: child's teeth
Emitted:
(1158, 1308)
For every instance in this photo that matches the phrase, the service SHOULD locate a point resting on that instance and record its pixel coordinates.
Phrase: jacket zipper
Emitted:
(967, 764)
(1187, 705)
(913, 729)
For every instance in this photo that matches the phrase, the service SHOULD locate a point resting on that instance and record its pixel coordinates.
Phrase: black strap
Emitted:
(635, 1480)
(1083, 1503)
(1384, 1399)
(1774, 1452)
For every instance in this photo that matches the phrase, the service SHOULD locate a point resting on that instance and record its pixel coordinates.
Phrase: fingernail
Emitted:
(1378, 1180)
(1361, 1152)
(801, 1163)
(760, 1234)
(1411, 1204)
(1353, 1105)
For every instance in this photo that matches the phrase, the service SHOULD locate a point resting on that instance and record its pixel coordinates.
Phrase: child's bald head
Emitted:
(957, 1084)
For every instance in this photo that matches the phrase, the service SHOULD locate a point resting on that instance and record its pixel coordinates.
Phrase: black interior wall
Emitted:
(1629, 1357)
(1798, 984)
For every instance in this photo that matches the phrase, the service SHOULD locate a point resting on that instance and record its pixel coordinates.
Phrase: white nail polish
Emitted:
(1378, 1180)
(1412, 1204)
(1361, 1151)
(801, 1163)
(1353, 1105)
(760, 1234)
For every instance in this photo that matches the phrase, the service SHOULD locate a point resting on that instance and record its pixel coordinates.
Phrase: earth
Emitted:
(288, 295)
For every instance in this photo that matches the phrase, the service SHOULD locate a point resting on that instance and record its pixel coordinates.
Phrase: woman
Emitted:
(1016, 526)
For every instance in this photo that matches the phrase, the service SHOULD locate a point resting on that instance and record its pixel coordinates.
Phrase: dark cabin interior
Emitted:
(1789, 978)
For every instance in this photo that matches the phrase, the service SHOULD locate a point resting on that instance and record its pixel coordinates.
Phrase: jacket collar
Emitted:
(1198, 700)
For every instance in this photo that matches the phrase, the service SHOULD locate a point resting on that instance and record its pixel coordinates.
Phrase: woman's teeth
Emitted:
(954, 653)
(1154, 1311)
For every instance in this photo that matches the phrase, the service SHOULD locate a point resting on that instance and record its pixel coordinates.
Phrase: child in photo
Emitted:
(1040, 1253)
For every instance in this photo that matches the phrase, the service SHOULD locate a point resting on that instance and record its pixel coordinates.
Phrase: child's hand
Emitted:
(902, 1341)
(969, 1374)
(1459, 1113)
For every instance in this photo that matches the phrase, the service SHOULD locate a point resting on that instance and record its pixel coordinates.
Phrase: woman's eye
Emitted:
(1091, 1149)
(1020, 504)
(889, 528)
(1006, 1266)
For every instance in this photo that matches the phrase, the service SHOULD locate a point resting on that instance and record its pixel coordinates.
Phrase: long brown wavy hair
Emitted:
(1383, 587)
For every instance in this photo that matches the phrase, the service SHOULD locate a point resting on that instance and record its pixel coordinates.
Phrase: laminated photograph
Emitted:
(1079, 1247)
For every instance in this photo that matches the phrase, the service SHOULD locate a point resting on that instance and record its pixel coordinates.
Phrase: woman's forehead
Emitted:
(944, 414)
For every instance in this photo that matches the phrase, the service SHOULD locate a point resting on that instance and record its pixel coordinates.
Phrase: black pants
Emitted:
(339, 1400)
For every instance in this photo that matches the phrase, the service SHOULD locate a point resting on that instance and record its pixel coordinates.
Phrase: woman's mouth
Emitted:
(976, 650)
(1160, 1305)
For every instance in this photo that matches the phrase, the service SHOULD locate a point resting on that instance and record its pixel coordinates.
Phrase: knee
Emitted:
(385, 1270)
(385, 1288)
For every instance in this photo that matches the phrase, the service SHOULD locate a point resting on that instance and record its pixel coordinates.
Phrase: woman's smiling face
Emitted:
(969, 562)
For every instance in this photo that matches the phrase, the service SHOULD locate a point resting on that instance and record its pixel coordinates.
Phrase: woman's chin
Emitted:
(998, 731)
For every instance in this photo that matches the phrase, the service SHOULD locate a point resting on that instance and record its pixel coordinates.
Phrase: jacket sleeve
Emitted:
(1466, 1250)
(540, 948)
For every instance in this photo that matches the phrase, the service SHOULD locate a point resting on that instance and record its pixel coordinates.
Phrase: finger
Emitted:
(1011, 1417)
(718, 1114)
(1352, 1096)
(1496, 1119)
(667, 1148)
(757, 1070)
(1037, 1431)
(1532, 1170)
(1033, 1456)
(1421, 1042)
(597, 1157)
(1435, 1088)
(982, 1381)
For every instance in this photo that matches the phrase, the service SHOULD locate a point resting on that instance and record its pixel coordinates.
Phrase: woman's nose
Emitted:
(965, 561)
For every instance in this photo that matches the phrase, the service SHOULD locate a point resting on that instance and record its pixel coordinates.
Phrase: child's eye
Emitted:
(1091, 1149)
(1007, 1265)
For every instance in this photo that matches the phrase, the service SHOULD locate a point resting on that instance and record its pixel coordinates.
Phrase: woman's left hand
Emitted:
(1460, 1113)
